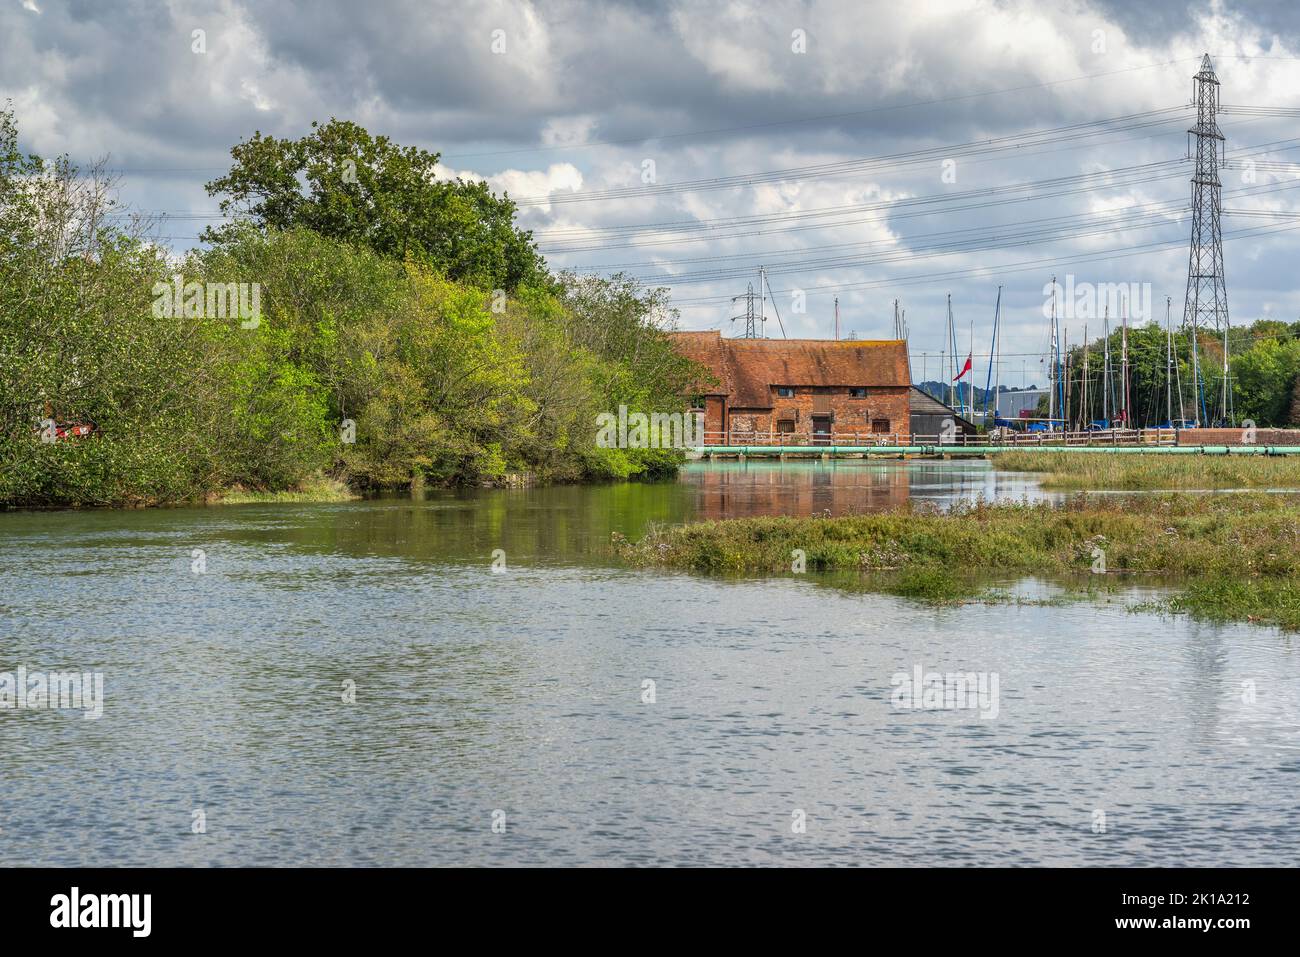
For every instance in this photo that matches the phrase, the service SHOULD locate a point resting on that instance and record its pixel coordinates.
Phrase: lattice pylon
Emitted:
(1206, 306)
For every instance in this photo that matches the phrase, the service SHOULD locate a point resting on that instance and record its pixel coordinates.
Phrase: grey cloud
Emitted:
(90, 78)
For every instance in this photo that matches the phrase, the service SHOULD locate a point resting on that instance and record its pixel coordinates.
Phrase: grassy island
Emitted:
(1230, 557)
(1066, 471)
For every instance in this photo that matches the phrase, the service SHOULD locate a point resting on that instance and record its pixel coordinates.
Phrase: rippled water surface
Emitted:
(522, 692)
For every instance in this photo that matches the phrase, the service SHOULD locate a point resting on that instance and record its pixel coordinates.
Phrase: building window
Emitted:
(858, 392)
(880, 426)
(785, 426)
(785, 391)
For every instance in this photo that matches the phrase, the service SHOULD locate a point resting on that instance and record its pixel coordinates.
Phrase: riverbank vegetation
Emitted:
(403, 330)
(314, 488)
(1067, 471)
(1232, 557)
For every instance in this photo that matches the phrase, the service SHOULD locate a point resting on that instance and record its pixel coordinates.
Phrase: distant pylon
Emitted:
(1207, 291)
(749, 317)
(900, 321)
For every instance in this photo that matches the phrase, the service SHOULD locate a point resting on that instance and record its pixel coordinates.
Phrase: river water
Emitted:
(518, 697)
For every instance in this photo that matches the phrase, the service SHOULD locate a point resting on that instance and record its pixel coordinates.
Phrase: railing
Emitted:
(1004, 437)
(1114, 437)
(864, 439)
(837, 439)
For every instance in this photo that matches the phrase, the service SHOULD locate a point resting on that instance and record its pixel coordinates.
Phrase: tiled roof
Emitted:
(707, 349)
(748, 368)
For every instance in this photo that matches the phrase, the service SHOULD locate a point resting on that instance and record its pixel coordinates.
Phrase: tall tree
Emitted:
(342, 182)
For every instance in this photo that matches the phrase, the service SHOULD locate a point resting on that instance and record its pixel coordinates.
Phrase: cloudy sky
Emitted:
(865, 151)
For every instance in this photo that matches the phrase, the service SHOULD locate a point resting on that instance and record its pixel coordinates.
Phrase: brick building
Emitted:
(807, 389)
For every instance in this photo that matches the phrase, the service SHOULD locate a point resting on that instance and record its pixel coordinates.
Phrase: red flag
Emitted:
(964, 369)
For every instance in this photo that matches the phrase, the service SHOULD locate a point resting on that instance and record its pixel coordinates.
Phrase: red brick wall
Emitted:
(1237, 437)
(715, 414)
(848, 415)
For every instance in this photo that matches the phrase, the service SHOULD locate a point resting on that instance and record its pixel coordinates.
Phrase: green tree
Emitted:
(622, 324)
(1264, 377)
(344, 183)
(79, 344)
(379, 309)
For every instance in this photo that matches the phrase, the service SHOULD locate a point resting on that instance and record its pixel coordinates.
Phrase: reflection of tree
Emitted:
(564, 524)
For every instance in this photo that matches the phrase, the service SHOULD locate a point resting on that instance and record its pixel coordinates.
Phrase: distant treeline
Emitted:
(374, 325)
(1263, 377)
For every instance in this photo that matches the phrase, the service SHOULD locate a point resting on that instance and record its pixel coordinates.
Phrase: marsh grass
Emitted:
(1231, 557)
(316, 488)
(1136, 471)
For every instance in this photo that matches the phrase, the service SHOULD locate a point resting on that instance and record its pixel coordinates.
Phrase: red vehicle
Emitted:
(72, 430)
(51, 430)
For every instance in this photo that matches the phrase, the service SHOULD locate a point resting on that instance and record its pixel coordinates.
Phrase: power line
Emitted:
(565, 147)
(980, 243)
(1113, 217)
(863, 164)
(1169, 166)
(1099, 256)
(711, 225)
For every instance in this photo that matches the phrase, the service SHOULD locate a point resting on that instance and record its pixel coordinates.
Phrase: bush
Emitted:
(436, 380)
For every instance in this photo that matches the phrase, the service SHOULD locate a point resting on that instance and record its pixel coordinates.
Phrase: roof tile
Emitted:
(748, 368)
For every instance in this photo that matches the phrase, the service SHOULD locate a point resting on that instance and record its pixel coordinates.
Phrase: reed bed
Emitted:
(1065, 471)
(1231, 557)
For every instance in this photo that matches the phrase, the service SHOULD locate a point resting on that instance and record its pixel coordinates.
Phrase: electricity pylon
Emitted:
(1207, 292)
(750, 332)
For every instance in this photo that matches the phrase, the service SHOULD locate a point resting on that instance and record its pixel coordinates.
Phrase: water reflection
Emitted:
(739, 489)
(522, 691)
(731, 489)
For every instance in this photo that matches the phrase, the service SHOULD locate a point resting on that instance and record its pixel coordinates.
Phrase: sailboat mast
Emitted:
(1083, 413)
(997, 356)
(1051, 375)
(907, 339)
(1178, 384)
(1124, 361)
(1065, 378)
(1227, 412)
(1198, 394)
(1169, 364)
(952, 372)
(1105, 370)
(990, 377)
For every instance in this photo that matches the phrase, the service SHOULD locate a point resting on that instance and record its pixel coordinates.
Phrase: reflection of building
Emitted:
(804, 388)
(737, 490)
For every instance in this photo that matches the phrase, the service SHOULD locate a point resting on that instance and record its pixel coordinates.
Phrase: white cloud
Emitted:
(575, 71)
